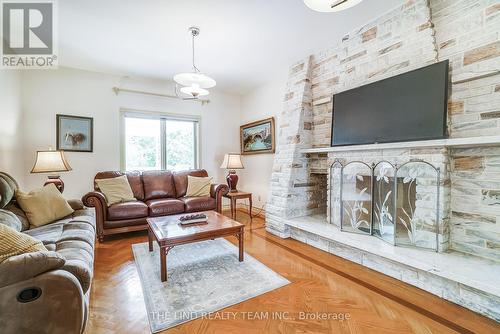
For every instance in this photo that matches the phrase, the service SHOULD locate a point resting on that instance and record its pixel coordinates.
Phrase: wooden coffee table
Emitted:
(169, 233)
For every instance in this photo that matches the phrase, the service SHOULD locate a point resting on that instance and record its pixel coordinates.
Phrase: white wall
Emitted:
(75, 92)
(11, 140)
(263, 102)
(84, 93)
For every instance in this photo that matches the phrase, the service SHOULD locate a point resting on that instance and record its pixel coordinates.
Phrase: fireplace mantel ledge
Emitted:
(481, 274)
(451, 142)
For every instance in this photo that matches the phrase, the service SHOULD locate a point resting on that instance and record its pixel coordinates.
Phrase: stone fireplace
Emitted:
(304, 200)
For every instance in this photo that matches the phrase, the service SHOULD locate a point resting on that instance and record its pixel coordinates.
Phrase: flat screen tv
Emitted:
(407, 107)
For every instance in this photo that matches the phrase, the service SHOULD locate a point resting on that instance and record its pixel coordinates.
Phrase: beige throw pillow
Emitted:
(43, 206)
(14, 243)
(198, 186)
(116, 189)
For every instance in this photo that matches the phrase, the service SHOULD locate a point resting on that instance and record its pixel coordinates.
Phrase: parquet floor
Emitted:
(321, 284)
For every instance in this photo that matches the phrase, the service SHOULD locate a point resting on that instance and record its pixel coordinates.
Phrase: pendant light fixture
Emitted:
(330, 5)
(194, 83)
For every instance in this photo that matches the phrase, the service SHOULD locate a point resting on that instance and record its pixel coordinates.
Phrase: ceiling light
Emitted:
(187, 79)
(194, 90)
(194, 83)
(330, 5)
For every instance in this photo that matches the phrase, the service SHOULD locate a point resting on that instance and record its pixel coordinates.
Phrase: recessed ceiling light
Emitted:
(330, 5)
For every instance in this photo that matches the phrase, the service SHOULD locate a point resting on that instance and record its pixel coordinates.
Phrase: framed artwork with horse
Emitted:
(257, 137)
(75, 133)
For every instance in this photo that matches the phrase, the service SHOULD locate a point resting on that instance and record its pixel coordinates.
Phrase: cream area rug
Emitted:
(203, 277)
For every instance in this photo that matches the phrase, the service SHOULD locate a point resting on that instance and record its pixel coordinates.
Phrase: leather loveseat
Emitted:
(158, 193)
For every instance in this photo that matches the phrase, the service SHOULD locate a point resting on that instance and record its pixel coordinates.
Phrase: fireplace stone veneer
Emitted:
(468, 280)
(415, 34)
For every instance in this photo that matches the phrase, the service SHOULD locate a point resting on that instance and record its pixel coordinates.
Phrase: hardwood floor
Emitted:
(321, 284)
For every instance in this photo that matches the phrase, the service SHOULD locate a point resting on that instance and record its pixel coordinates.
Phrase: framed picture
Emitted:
(257, 137)
(75, 133)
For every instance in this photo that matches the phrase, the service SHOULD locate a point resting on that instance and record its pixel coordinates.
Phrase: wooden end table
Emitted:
(234, 196)
(169, 233)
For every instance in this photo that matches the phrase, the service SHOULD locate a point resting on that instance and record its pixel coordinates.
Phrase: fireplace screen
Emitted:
(383, 199)
(356, 198)
(398, 204)
(334, 192)
(417, 215)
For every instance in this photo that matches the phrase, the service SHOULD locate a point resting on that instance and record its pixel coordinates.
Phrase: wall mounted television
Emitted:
(407, 107)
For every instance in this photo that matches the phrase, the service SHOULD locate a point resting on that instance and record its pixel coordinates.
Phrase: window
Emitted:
(157, 141)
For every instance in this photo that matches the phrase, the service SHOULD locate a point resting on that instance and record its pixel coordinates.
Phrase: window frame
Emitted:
(163, 117)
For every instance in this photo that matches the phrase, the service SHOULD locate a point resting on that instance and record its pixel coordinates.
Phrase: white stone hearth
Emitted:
(463, 279)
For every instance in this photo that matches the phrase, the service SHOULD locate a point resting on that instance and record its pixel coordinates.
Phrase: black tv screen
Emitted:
(407, 107)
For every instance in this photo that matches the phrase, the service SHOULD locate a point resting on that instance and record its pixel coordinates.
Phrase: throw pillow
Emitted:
(14, 243)
(43, 206)
(116, 190)
(198, 186)
(76, 204)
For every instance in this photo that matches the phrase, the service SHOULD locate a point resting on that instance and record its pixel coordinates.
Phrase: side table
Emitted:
(234, 196)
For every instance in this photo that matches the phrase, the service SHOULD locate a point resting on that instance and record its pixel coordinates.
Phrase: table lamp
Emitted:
(231, 162)
(51, 162)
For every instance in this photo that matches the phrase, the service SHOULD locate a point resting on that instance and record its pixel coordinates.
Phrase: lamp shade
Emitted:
(200, 79)
(232, 161)
(194, 90)
(331, 5)
(50, 162)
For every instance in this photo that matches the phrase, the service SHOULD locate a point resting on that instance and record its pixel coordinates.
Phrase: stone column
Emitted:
(291, 187)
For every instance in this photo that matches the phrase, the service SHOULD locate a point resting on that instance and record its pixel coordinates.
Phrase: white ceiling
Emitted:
(243, 43)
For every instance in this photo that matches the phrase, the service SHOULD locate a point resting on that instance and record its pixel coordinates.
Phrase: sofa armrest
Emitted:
(217, 191)
(25, 266)
(56, 305)
(97, 200)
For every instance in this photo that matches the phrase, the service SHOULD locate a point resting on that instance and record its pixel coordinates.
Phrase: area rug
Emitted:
(203, 277)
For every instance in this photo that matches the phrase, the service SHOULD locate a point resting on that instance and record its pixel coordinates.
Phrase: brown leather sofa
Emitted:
(158, 193)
